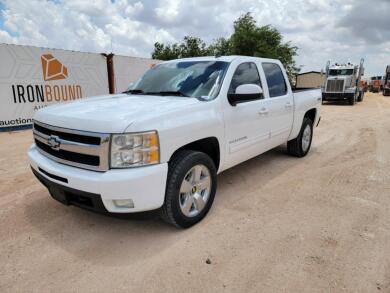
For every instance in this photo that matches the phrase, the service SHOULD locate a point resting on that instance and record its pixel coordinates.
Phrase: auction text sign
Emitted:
(32, 78)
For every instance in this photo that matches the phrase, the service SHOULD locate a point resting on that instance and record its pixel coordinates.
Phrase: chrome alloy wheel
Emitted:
(195, 190)
(306, 138)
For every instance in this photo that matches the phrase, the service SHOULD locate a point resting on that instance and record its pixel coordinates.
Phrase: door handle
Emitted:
(288, 105)
(263, 111)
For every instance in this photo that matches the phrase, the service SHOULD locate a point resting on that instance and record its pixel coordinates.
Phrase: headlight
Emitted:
(134, 149)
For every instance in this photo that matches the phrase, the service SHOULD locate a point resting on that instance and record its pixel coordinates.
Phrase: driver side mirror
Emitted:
(245, 93)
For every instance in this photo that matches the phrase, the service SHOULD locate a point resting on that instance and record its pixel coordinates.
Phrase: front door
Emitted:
(247, 123)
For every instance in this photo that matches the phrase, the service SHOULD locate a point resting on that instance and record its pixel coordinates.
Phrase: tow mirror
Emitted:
(245, 93)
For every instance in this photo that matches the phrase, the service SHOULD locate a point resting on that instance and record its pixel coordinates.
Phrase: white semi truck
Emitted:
(343, 82)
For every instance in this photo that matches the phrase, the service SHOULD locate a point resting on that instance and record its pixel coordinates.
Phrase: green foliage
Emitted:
(220, 47)
(247, 39)
(190, 47)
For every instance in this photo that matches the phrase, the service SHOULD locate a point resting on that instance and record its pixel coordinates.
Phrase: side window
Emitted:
(275, 80)
(244, 74)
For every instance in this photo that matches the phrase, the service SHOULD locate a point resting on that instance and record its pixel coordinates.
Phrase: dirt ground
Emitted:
(278, 224)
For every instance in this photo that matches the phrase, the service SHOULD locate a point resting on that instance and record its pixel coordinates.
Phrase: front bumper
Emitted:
(145, 186)
(336, 96)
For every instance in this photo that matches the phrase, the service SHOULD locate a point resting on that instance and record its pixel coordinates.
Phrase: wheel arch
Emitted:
(311, 114)
(209, 145)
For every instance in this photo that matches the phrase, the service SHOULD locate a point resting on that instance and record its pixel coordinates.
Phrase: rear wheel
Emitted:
(191, 187)
(300, 146)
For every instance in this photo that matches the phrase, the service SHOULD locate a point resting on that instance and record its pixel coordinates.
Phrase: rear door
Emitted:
(280, 102)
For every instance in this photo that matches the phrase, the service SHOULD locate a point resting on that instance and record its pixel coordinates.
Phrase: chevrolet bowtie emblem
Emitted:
(54, 142)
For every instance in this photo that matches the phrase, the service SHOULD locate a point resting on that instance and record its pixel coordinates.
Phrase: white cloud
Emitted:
(6, 37)
(168, 10)
(133, 9)
(340, 30)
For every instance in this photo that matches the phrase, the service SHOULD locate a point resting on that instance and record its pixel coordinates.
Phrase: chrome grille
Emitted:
(88, 150)
(335, 86)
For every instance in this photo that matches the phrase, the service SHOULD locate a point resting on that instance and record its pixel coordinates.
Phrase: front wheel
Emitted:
(191, 187)
(351, 100)
(300, 146)
(361, 96)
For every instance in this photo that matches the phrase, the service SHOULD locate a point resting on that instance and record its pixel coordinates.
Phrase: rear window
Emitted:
(276, 83)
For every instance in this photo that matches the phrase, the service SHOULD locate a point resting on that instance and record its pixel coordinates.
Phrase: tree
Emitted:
(264, 41)
(165, 52)
(190, 47)
(220, 47)
(247, 39)
(193, 46)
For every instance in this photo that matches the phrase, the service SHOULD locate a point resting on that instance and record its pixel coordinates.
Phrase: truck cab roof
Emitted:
(343, 66)
(229, 59)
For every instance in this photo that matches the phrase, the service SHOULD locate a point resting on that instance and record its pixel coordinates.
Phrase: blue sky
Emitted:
(337, 30)
(1, 16)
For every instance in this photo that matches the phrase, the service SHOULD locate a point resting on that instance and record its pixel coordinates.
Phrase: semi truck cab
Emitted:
(343, 82)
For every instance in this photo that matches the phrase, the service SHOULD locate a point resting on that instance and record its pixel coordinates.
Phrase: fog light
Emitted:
(124, 203)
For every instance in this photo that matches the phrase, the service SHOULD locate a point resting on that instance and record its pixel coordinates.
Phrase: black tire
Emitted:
(180, 164)
(294, 147)
(351, 100)
(360, 97)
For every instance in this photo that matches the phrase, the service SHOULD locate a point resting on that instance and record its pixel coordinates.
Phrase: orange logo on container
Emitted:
(52, 68)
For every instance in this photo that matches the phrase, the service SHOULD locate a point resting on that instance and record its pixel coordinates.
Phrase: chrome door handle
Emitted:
(263, 111)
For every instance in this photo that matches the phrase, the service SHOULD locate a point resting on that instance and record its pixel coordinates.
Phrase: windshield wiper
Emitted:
(167, 93)
(134, 92)
(161, 93)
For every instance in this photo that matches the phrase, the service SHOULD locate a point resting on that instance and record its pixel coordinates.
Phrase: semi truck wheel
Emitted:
(360, 97)
(300, 146)
(191, 187)
(351, 100)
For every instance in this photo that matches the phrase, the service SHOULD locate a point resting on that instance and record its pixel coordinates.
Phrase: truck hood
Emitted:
(110, 113)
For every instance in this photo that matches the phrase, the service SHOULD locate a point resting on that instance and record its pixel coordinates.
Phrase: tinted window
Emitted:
(244, 74)
(334, 72)
(275, 80)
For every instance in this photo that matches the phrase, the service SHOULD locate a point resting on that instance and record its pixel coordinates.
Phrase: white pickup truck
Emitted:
(161, 144)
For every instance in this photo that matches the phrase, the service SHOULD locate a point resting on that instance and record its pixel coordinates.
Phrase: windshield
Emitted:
(334, 72)
(198, 79)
